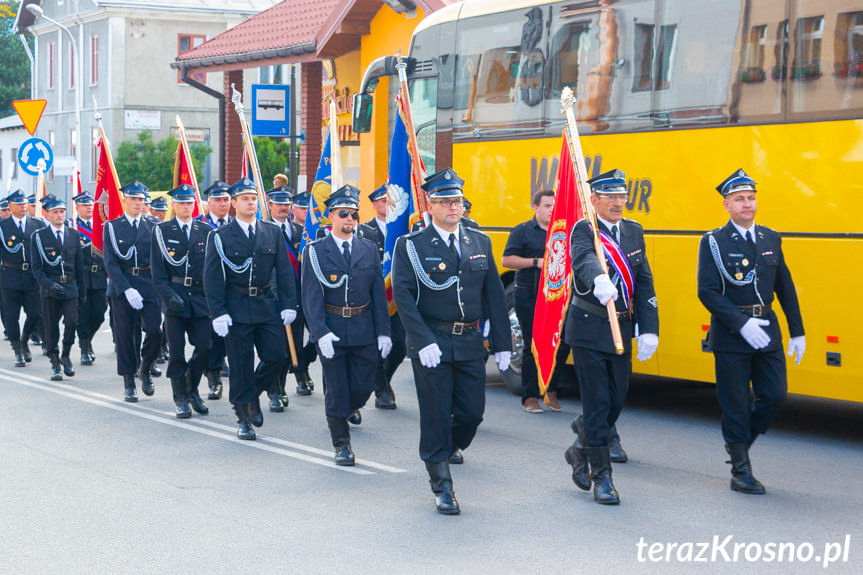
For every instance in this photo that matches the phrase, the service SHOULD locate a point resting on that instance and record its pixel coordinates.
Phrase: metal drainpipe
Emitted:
(221, 98)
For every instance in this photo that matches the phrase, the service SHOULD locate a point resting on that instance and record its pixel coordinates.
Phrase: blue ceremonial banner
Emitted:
(313, 222)
(400, 205)
(322, 185)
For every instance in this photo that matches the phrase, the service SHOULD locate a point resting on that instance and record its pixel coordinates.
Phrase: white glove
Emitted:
(486, 328)
(603, 289)
(430, 355)
(754, 335)
(325, 344)
(288, 316)
(797, 347)
(502, 359)
(134, 298)
(221, 325)
(647, 344)
(385, 344)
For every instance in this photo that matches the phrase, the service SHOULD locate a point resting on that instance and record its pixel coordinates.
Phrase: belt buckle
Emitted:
(457, 328)
(187, 281)
(135, 271)
(64, 279)
(346, 312)
(25, 266)
(253, 291)
(94, 268)
(756, 310)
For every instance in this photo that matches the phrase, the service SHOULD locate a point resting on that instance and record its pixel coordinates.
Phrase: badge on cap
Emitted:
(738, 276)
(441, 266)
(745, 262)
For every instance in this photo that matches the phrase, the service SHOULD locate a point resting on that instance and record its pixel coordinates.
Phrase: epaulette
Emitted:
(415, 233)
(631, 221)
(476, 231)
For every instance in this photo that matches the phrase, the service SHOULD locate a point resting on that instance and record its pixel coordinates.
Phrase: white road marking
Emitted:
(86, 396)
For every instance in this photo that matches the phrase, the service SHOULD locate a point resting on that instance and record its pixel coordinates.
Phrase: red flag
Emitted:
(184, 169)
(556, 276)
(108, 204)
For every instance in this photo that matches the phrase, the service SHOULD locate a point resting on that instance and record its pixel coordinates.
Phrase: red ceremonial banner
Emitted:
(184, 172)
(556, 276)
(107, 199)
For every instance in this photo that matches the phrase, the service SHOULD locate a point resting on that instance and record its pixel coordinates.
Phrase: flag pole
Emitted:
(567, 103)
(185, 144)
(249, 146)
(336, 179)
(417, 168)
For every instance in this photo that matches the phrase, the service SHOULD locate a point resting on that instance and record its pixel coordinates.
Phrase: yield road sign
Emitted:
(34, 155)
(30, 112)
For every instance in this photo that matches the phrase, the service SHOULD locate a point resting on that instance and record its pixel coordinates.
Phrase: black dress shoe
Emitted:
(25, 351)
(198, 404)
(244, 428)
(286, 401)
(56, 374)
(19, 357)
(457, 457)
(303, 387)
(36, 338)
(344, 456)
(146, 382)
(356, 417)
(309, 382)
(385, 401)
(155, 371)
(214, 381)
(276, 404)
(129, 394)
(68, 368)
(255, 414)
(86, 359)
(618, 455)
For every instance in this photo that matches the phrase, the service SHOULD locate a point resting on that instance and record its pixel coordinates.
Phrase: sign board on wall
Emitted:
(143, 119)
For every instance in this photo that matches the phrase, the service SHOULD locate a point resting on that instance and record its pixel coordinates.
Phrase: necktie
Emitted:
(614, 234)
(346, 251)
(186, 230)
(285, 230)
(21, 226)
(750, 239)
(60, 237)
(221, 222)
(453, 248)
(135, 225)
(252, 233)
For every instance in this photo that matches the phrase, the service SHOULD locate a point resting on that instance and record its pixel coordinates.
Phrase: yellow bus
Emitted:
(677, 94)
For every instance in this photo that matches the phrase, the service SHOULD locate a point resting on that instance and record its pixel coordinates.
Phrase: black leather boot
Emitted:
(276, 405)
(181, 400)
(576, 456)
(244, 426)
(129, 385)
(66, 362)
(19, 357)
(441, 485)
(600, 472)
(90, 350)
(146, 379)
(214, 380)
(302, 387)
(742, 479)
(35, 338)
(618, 455)
(385, 400)
(457, 457)
(154, 370)
(355, 417)
(192, 382)
(25, 351)
(255, 414)
(84, 344)
(56, 374)
(340, 433)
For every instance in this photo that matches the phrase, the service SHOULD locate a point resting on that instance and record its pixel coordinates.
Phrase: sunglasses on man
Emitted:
(348, 213)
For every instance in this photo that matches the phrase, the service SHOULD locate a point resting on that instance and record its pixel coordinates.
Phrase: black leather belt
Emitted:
(22, 266)
(453, 327)
(186, 281)
(599, 310)
(62, 279)
(347, 311)
(136, 271)
(756, 310)
(252, 291)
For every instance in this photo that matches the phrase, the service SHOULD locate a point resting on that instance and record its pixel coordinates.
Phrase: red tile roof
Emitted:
(289, 27)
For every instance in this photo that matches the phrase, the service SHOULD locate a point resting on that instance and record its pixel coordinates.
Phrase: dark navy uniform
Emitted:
(602, 374)
(217, 348)
(238, 282)
(442, 293)
(292, 234)
(385, 397)
(177, 259)
(17, 284)
(737, 280)
(127, 243)
(59, 270)
(344, 296)
(92, 313)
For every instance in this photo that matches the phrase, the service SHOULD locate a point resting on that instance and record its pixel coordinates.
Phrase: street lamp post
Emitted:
(37, 11)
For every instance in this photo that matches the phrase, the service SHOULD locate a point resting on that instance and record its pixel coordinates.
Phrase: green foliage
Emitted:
(15, 68)
(273, 158)
(153, 162)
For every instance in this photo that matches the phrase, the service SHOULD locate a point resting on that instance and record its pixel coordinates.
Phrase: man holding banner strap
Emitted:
(602, 374)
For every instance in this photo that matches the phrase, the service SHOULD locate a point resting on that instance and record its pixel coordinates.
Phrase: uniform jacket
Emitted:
(592, 331)
(177, 246)
(120, 270)
(296, 238)
(15, 277)
(71, 262)
(721, 296)
(270, 260)
(477, 293)
(94, 268)
(365, 284)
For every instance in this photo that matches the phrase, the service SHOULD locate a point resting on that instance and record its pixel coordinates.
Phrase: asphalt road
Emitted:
(89, 484)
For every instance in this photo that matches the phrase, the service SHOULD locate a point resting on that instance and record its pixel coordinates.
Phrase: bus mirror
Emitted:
(362, 117)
